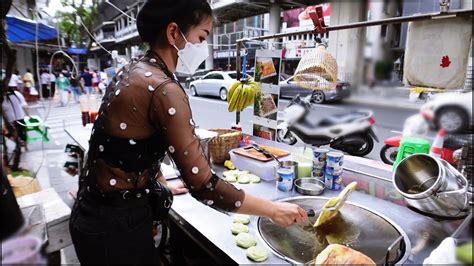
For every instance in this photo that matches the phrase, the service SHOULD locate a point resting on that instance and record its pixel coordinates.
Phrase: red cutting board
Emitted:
(250, 152)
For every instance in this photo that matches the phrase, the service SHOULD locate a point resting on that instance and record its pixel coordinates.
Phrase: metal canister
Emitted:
(286, 176)
(333, 181)
(318, 173)
(335, 159)
(319, 157)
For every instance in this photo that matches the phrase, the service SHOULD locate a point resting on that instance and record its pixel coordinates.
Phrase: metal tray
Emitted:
(309, 186)
(355, 226)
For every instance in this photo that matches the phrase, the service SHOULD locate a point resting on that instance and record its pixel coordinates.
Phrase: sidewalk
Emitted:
(384, 96)
(47, 159)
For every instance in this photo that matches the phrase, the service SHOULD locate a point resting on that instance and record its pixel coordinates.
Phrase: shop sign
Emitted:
(293, 53)
(226, 54)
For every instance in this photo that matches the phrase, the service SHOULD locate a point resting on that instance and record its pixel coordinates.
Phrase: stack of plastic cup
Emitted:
(333, 174)
(319, 163)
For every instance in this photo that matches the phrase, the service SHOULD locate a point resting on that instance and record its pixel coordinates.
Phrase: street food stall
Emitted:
(376, 220)
(392, 217)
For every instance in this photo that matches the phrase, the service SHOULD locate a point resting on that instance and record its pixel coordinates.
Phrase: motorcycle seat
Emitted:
(341, 119)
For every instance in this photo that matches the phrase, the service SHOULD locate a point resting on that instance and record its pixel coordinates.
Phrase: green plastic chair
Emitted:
(35, 129)
(410, 146)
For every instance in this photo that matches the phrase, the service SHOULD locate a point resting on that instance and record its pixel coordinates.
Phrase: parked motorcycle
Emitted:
(351, 132)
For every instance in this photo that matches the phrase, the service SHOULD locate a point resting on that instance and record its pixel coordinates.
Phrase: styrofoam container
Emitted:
(265, 170)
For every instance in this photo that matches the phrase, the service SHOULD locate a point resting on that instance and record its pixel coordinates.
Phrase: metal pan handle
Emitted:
(399, 244)
(458, 176)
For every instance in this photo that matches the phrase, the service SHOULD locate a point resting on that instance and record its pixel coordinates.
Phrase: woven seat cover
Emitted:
(317, 70)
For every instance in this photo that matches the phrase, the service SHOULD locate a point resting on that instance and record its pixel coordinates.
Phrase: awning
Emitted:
(76, 50)
(22, 29)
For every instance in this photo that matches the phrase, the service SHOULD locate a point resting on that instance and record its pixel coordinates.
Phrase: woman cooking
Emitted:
(145, 114)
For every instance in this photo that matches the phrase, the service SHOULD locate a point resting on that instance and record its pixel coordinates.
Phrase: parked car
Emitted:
(450, 110)
(198, 74)
(215, 83)
(289, 89)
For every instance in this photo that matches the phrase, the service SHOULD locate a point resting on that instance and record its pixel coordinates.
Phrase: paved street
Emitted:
(211, 112)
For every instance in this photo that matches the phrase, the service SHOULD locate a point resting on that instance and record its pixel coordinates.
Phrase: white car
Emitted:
(451, 111)
(215, 83)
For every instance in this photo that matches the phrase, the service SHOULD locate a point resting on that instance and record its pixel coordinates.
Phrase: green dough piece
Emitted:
(257, 254)
(245, 240)
(243, 179)
(230, 173)
(238, 228)
(254, 178)
(231, 178)
(241, 218)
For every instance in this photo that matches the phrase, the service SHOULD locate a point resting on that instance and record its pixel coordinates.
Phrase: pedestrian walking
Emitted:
(52, 80)
(87, 79)
(13, 83)
(20, 85)
(63, 88)
(45, 83)
(14, 108)
(75, 87)
(29, 82)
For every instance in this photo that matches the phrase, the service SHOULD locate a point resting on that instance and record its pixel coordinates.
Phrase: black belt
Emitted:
(124, 198)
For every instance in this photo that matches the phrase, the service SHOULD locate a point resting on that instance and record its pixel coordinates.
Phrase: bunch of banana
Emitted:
(242, 94)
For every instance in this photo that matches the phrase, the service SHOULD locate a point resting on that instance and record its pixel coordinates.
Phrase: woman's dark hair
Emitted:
(155, 16)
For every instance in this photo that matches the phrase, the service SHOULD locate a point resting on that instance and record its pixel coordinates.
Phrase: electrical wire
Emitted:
(92, 37)
(127, 15)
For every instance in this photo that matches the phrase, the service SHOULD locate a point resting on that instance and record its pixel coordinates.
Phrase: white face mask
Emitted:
(191, 56)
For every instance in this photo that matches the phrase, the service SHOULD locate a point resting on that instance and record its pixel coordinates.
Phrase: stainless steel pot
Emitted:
(432, 185)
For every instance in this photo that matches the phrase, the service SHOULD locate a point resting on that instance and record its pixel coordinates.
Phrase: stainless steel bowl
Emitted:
(309, 186)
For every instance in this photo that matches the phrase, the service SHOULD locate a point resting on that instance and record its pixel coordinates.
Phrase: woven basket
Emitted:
(220, 146)
(317, 71)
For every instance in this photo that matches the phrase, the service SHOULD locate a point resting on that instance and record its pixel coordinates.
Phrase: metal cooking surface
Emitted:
(354, 226)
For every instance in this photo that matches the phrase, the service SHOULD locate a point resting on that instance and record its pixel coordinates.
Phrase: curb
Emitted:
(384, 103)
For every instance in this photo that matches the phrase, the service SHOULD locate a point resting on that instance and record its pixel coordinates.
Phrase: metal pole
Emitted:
(239, 74)
(395, 20)
(228, 52)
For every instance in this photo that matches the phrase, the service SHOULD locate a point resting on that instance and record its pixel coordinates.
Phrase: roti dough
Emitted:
(238, 228)
(241, 218)
(257, 253)
(245, 240)
(254, 178)
(243, 179)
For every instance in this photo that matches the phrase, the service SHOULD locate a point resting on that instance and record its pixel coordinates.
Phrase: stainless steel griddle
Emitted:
(355, 226)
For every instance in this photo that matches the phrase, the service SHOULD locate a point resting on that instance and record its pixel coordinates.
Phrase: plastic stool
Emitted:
(409, 146)
(34, 124)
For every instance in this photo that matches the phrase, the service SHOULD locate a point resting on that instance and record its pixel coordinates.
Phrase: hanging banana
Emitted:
(242, 94)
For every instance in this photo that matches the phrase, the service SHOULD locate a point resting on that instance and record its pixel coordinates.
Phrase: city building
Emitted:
(28, 13)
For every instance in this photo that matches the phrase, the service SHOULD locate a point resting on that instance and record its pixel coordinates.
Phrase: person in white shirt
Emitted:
(52, 80)
(13, 83)
(45, 83)
(19, 83)
(15, 109)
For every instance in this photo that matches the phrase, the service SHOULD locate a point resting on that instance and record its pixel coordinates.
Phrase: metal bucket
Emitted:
(432, 186)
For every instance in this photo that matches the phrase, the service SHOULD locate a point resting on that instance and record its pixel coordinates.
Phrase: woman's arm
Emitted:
(171, 114)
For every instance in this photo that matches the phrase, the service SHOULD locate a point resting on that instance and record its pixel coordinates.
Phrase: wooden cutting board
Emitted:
(250, 152)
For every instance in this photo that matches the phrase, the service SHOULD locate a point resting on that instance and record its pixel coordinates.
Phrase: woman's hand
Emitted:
(177, 188)
(286, 214)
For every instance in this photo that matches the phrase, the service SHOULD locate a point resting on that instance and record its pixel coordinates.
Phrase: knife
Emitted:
(263, 151)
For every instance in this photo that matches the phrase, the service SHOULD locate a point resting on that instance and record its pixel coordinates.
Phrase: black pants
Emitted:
(21, 129)
(45, 90)
(107, 235)
(53, 88)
